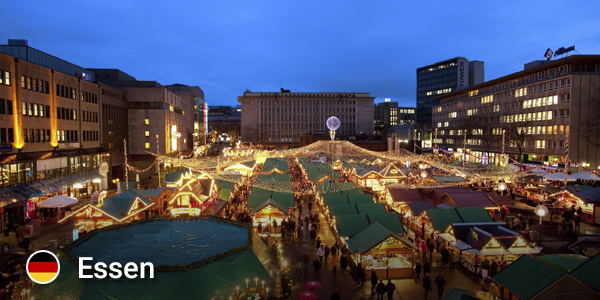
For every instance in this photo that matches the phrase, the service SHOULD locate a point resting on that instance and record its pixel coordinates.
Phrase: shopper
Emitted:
(440, 281)
(390, 288)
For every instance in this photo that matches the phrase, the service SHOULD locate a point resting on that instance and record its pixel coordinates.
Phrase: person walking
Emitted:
(317, 266)
(344, 260)
(440, 281)
(321, 253)
(453, 258)
(390, 288)
(424, 251)
(318, 242)
(445, 255)
(380, 290)
(326, 254)
(359, 274)
(418, 272)
(426, 267)
(426, 284)
(333, 250)
(305, 261)
(335, 262)
(373, 281)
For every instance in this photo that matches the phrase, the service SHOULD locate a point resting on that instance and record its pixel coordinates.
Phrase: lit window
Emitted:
(147, 145)
(146, 121)
(146, 133)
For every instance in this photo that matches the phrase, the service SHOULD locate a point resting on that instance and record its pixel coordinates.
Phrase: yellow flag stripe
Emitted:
(42, 277)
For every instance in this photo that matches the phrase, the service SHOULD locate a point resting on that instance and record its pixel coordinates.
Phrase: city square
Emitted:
(364, 174)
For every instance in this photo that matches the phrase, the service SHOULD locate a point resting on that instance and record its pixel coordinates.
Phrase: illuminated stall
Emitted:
(585, 197)
(266, 213)
(175, 179)
(242, 168)
(121, 208)
(486, 240)
(379, 249)
(191, 196)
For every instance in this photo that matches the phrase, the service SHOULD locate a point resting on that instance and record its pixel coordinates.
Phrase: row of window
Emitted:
(89, 136)
(66, 113)
(35, 110)
(89, 97)
(89, 116)
(67, 135)
(6, 107)
(4, 77)
(66, 91)
(36, 135)
(7, 135)
(539, 116)
(34, 84)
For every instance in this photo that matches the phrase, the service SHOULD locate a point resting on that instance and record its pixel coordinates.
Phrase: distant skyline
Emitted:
(227, 47)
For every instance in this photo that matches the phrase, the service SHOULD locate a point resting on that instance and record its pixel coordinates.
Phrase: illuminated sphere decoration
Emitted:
(423, 174)
(502, 186)
(333, 123)
(541, 210)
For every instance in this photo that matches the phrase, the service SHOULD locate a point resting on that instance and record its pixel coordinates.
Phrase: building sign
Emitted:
(68, 145)
(6, 148)
(563, 50)
(548, 54)
(462, 73)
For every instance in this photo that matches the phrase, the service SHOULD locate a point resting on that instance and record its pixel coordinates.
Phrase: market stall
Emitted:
(121, 208)
(379, 249)
(268, 212)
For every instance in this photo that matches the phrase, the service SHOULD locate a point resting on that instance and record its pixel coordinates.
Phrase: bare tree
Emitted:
(517, 136)
(479, 125)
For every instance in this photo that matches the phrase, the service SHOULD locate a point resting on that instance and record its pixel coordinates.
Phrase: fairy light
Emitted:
(126, 165)
(567, 163)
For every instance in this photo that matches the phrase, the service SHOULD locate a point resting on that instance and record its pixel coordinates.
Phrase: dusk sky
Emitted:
(226, 47)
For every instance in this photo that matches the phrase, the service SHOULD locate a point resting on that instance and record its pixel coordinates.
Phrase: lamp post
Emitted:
(541, 211)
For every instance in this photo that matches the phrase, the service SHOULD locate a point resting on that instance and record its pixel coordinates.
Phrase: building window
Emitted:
(146, 133)
(147, 145)
(146, 121)
(7, 77)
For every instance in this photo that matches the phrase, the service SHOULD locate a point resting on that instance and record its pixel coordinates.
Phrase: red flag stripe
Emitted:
(43, 267)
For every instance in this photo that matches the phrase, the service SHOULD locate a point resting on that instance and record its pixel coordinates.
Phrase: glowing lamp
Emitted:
(333, 123)
(97, 180)
(78, 186)
(423, 174)
(541, 210)
(284, 264)
(502, 186)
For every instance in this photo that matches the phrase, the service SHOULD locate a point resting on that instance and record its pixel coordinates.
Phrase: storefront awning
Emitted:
(57, 184)
(20, 192)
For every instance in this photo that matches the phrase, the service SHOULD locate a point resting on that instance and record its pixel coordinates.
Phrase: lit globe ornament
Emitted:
(423, 174)
(333, 123)
(541, 210)
(502, 186)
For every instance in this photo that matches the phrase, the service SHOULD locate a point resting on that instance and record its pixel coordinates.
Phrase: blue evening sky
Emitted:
(228, 46)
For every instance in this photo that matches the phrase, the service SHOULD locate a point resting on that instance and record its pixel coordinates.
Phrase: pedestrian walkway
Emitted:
(345, 283)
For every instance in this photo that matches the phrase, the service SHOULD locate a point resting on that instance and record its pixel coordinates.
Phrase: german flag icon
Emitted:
(43, 267)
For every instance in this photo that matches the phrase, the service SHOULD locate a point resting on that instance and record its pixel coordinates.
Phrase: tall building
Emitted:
(282, 117)
(538, 109)
(442, 78)
(153, 109)
(195, 96)
(49, 130)
(388, 114)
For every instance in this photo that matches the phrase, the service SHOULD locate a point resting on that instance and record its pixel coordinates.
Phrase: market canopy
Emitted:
(527, 277)
(391, 221)
(564, 262)
(365, 208)
(442, 218)
(57, 201)
(225, 187)
(473, 214)
(352, 224)
(257, 196)
(405, 195)
(273, 203)
(585, 176)
(558, 177)
(174, 177)
(371, 237)
(587, 272)
(417, 208)
(342, 209)
(334, 198)
(468, 199)
(360, 198)
(123, 205)
(279, 165)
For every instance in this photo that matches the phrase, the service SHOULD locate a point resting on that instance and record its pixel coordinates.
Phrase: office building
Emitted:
(154, 109)
(195, 96)
(442, 78)
(49, 130)
(388, 114)
(538, 109)
(282, 117)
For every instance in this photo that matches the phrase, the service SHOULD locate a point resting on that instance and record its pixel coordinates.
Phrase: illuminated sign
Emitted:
(563, 50)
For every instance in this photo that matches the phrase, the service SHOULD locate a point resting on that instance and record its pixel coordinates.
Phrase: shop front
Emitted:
(267, 214)
(379, 249)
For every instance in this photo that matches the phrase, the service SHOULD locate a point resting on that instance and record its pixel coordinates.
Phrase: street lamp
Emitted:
(541, 211)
